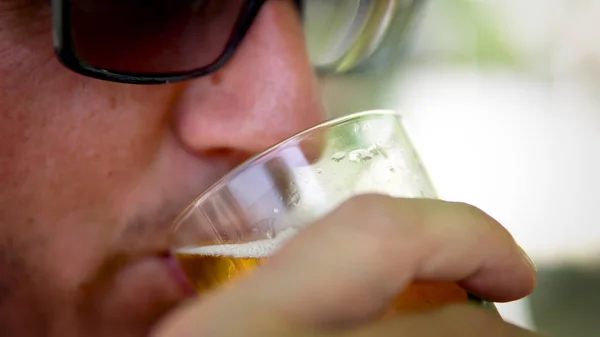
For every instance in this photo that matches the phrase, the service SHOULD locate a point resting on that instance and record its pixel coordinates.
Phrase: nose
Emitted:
(264, 94)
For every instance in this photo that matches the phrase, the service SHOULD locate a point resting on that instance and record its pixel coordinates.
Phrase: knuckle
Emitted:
(371, 211)
(468, 208)
(381, 223)
(470, 211)
(374, 219)
(387, 216)
(484, 224)
(368, 201)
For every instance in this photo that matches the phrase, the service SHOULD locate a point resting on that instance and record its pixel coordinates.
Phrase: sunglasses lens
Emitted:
(153, 36)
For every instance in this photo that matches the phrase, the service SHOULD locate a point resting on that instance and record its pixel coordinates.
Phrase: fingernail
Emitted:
(527, 259)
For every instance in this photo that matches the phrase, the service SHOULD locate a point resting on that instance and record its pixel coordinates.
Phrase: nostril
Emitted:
(231, 156)
(264, 94)
(220, 152)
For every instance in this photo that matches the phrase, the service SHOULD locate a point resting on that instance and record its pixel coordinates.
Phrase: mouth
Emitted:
(157, 277)
(132, 295)
(178, 276)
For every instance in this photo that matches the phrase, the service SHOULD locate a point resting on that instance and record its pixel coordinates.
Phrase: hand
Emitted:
(337, 276)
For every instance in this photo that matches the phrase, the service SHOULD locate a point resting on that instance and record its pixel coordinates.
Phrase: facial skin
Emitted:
(92, 172)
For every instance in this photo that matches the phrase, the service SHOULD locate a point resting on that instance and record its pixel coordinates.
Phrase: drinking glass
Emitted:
(236, 224)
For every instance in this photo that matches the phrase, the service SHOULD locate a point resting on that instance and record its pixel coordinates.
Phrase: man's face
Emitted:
(93, 172)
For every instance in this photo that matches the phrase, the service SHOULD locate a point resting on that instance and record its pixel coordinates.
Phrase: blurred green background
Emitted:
(502, 100)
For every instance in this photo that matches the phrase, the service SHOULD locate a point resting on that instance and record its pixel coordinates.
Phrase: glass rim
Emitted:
(270, 150)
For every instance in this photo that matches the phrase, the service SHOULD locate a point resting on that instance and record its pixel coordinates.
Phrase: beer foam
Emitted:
(256, 249)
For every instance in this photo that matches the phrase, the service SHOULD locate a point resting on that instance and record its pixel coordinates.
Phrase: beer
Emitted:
(212, 266)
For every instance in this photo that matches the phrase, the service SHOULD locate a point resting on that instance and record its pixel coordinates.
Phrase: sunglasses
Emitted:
(150, 41)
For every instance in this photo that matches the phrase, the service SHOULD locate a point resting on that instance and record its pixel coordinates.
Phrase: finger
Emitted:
(451, 321)
(348, 267)
(351, 264)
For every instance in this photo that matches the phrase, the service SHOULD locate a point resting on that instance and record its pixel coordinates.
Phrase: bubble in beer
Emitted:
(360, 156)
(338, 156)
(293, 198)
(374, 149)
(270, 233)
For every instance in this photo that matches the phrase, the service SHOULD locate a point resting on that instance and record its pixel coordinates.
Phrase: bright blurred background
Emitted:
(502, 100)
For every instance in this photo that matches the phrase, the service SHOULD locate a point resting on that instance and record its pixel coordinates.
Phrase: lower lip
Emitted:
(178, 275)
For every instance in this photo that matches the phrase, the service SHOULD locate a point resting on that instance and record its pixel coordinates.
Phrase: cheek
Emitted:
(70, 146)
(74, 136)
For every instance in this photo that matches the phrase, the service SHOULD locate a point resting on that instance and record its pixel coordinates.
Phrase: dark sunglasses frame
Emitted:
(66, 53)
